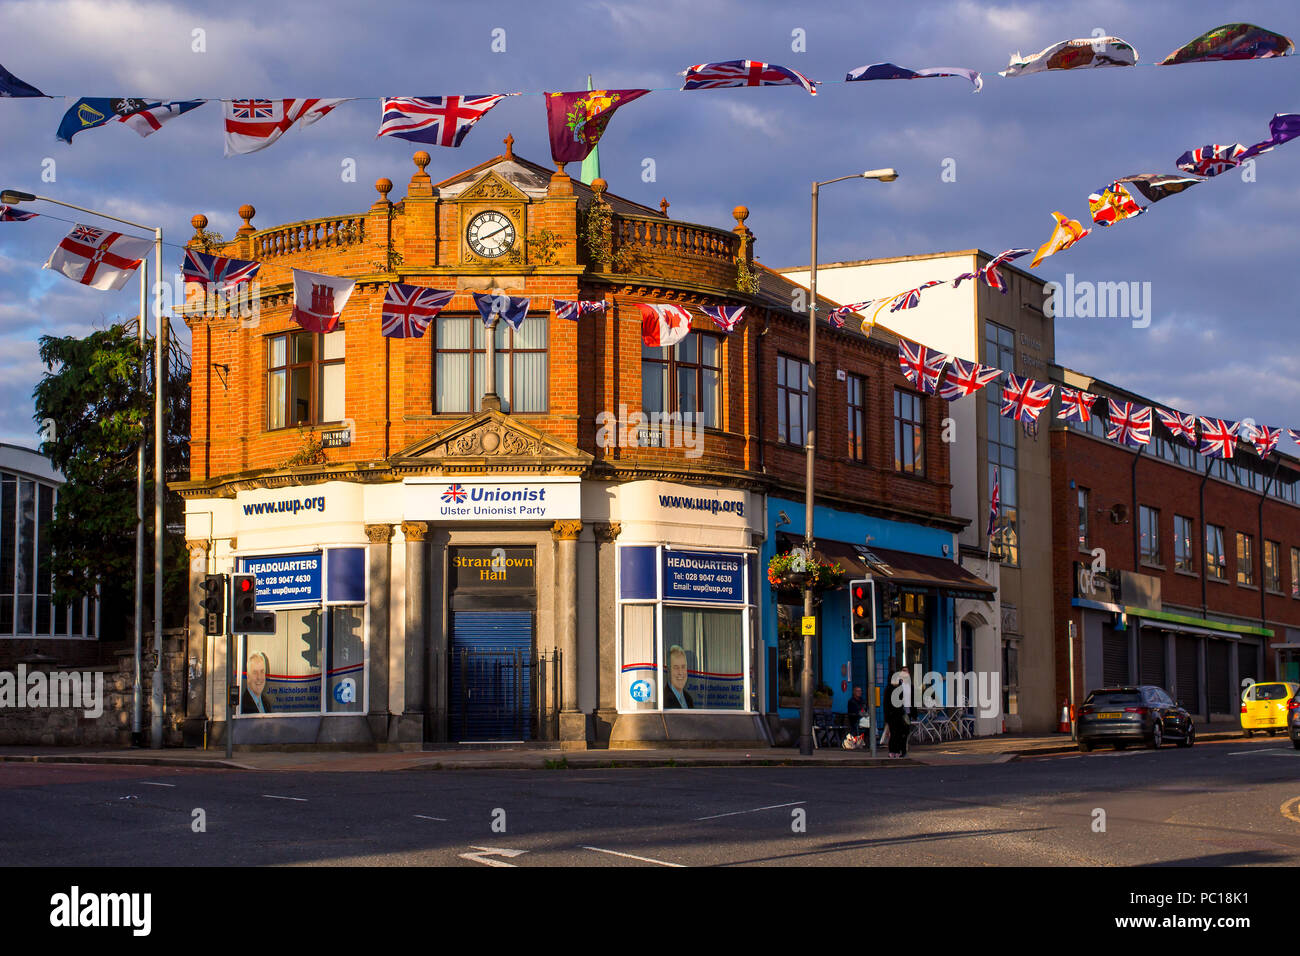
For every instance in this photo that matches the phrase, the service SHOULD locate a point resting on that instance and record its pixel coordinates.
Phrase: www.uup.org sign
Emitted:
(500, 499)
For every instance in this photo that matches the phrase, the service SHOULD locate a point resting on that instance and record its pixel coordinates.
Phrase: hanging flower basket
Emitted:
(794, 572)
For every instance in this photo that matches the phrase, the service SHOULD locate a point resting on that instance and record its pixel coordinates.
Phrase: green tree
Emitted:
(92, 394)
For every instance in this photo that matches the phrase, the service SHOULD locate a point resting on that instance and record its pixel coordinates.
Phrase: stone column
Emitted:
(417, 629)
(197, 650)
(606, 628)
(573, 723)
(380, 537)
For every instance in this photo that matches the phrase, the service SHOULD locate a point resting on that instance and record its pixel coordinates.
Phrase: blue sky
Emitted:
(1220, 258)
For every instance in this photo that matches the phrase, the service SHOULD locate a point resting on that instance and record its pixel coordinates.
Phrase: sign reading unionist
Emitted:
(502, 500)
(286, 578)
(703, 576)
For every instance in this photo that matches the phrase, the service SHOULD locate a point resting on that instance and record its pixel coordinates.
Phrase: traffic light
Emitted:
(244, 615)
(212, 604)
(891, 602)
(862, 611)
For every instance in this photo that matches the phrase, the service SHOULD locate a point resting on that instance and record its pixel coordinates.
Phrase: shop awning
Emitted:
(1194, 625)
(915, 572)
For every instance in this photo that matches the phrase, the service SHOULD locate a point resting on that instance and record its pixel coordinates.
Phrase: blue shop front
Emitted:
(916, 560)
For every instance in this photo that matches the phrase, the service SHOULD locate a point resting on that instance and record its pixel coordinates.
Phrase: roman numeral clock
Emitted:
(490, 234)
(493, 214)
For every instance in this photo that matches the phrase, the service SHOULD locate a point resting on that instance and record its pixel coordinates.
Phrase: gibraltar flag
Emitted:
(98, 258)
(318, 300)
(256, 124)
(664, 325)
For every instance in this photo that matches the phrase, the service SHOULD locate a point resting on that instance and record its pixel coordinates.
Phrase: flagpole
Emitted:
(159, 493)
(137, 696)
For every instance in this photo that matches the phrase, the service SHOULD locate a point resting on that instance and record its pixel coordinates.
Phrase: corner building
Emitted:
(521, 538)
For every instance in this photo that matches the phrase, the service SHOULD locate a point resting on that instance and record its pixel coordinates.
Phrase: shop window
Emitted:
(460, 364)
(1245, 560)
(1183, 537)
(1149, 525)
(789, 635)
(305, 379)
(1010, 677)
(1001, 438)
(857, 430)
(704, 649)
(909, 432)
(1082, 502)
(684, 379)
(791, 400)
(1272, 566)
(1295, 572)
(1216, 562)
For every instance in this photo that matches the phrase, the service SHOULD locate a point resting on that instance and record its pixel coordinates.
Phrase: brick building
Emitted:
(1171, 568)
(525, 534)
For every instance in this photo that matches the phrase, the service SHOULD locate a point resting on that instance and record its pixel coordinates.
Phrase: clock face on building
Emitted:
(490, 234)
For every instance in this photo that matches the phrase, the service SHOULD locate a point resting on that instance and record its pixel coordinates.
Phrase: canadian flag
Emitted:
(318, 300)
(98, 258)
(663, 325)
(256, 124)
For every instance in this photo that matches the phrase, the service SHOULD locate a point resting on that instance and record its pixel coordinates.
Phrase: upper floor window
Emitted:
(1149, 522)
(909, 432)
(1295, 572)
(1272, 566)
(460, 364)
(791, 400)
(305, 379)
(857, 430)
(685, 379)
(1183, 560)
(1083, 518)
(1245, 559)
(1216, 562)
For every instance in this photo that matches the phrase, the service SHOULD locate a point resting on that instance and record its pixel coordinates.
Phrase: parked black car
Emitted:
(1293, 723)
(1142, 714)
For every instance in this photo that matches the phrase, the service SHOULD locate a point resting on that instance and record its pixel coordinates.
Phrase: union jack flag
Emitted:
(966, 378)
(726, 316)
(714, 76)
(912, 297)
(1211, 160)
(1076, 405)
(995, 502)
(252, 109)
(10, 214)
(921, 366)
(570, 309)
(216, 272)
(1218, 438)
(436, 120)
(837, 316)
(1295, 435)
(454, 494)
(85, 234)
(408, 309)
(1024, 399)
(1264, 439)
(1129, 423)
(992, 278)
(1179, 425)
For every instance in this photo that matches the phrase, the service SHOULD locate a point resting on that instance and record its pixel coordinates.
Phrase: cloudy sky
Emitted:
(1220, 258)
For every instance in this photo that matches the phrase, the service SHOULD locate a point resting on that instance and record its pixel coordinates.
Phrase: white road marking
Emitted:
(421, 816)
(486, 851)
(271, 796)
(150, 783)
(736, 813)
(631, 856)
(1259, 750)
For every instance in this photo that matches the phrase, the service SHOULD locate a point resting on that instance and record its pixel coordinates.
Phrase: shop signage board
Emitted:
(705, 576)
(498, 499)
(286, 578)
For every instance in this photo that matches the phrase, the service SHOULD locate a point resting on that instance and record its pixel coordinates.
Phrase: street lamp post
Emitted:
(805, 702)
(12, 197)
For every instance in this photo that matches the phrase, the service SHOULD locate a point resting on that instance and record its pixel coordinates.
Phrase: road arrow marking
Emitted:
(487, 851)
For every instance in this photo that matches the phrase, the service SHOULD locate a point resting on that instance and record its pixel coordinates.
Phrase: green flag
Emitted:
(590, 165)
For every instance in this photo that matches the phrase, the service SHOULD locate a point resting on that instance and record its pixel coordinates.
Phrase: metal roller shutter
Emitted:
(1185, 668)
(1114, 658)
(1217, 676)
(492, 671)
(1247, 662)
(1151, 658)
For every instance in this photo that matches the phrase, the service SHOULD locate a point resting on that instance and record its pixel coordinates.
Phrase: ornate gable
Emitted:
(493, 187)
(490, 442)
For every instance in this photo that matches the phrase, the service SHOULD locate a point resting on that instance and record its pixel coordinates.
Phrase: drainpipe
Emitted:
(758, 359)
(1133, 515)
(1205, 608)
(1263, 613)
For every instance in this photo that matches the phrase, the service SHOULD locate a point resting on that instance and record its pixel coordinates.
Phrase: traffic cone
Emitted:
(1064, 726)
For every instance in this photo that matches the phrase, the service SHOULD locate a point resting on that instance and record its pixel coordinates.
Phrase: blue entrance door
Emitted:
(492, 675)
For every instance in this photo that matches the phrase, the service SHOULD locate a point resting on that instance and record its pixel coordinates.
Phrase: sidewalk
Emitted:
(998, 749)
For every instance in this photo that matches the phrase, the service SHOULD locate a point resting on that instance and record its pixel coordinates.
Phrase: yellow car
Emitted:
(1268, 706)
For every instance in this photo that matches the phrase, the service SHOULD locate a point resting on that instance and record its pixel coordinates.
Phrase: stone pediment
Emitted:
(493, 187)
(491, 442)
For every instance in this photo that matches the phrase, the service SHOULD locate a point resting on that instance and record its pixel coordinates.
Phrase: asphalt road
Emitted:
(1228, 803)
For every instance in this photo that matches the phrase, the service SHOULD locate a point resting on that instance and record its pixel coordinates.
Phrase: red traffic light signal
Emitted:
(862, 611)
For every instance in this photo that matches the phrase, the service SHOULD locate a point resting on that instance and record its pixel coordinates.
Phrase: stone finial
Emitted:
(663, 206)
(420, 187)
(422, 159)
(246, 213)
(199, 222)
(741, 213)
(598, 186)
(510, 146)
(561, 184)
(383, 185)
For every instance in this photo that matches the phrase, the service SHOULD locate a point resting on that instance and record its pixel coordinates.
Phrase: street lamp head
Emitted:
(884, 175)
(11, 196)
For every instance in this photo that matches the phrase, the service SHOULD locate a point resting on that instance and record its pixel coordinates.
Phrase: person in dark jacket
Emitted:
(897, 699)
(857, 707)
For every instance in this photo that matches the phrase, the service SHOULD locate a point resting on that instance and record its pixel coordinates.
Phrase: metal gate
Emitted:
(501, 688)
(1247, 664)
(1114, 658)
(1217, 678)
(1186, 666)
(1151, 657)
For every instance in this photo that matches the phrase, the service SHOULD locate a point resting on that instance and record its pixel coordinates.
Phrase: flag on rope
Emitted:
(663, 325)
(725, 316)
(1282, 128)
(1129, 423)
(995, 503)
(1112, 204)
(435, 120)
(1232, 41)
(1294, 435)
(1179, 425)
(1085, 53)
(1211, 160)
(217, 272)
(571, 309)
(714, 76)
(10, 214)
(1065, 234)
(1024, 399)
(408, 309)
(889, 71)
(920, 365)
(10, 85)
(912, 297)
(1158, 186)
(256, 124)
(1218, 438)
(989, 273)
(143, 116)
(1264, 439)
(318, 300)
(512, 309)
(966, 378)
(837, 316)
(98, 258)
(1076, 405)
(576, 121)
